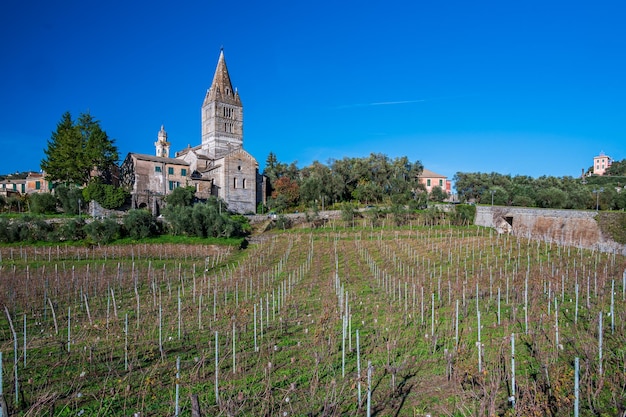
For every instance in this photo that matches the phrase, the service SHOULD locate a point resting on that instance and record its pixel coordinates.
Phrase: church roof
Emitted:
(221, 88)
(152, 158)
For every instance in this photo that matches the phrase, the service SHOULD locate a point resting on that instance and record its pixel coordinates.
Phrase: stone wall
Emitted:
(567, 227)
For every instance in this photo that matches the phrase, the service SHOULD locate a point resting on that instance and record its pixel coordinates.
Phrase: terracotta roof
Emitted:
(153, 158)
(427, 173)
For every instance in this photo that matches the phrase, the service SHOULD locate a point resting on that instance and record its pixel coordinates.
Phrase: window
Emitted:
(37, 185)
(170, 170)
(157, 169)
(171, 185)
(234, 182)
(428, 182)
(243, 183)
(183, 172)
(441, 183)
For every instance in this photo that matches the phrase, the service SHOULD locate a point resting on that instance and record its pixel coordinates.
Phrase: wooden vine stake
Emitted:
(512, 399)
(3, 405)
(69, 328)
(369, 388)
(217, 392)
(358, 368)
(6, 310)
(177, 407)
(600, 343)
(24, 340)
(54, 317)
(576, 386)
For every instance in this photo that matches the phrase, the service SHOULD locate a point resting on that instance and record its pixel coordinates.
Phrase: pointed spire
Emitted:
(221, 88)
(162, 134)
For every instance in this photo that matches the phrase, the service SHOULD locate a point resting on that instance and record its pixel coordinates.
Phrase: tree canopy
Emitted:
(373, 179)
(78, 151)
(545, 191)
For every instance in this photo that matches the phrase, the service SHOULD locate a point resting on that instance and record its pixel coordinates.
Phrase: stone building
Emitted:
(218, 166)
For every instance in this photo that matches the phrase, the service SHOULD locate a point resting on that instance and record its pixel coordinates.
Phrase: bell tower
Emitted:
(162, 145)
(222, 115)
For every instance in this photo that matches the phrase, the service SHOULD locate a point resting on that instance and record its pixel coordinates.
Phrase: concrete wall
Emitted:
(567, 227)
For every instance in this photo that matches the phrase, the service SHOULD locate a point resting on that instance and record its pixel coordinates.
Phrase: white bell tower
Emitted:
(162, 145)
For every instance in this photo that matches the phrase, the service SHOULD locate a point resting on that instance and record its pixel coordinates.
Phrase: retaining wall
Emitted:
(567, 227)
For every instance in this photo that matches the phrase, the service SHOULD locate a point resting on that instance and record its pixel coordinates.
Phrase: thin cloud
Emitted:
(399, 102)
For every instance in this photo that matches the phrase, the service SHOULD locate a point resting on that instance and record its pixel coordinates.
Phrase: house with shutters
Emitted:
(219, 166)
(431, 179)
(32, 182)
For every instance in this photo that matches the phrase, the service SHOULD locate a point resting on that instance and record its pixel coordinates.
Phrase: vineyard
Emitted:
(411, 321)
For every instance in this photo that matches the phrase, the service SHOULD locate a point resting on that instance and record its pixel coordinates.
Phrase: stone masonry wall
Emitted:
(567, 227)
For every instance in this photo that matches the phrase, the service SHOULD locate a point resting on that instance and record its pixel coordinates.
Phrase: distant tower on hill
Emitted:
(222, 115)
(162, 145)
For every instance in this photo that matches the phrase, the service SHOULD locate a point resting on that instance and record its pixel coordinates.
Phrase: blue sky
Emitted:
(532, 88)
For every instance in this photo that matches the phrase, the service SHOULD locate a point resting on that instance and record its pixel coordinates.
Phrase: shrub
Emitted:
(140, 224)
(43, 203)
(208, 219)
(613, 224)
(5, 231)
(40, 230)
(71, 230)
(400, 215)
(348, 212)
(283, 222)
(464, 214)
(103, 231)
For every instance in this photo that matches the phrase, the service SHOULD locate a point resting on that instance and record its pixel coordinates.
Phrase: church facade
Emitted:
(219, 166)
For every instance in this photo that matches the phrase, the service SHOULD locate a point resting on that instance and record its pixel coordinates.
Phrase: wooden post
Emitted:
(195, 406)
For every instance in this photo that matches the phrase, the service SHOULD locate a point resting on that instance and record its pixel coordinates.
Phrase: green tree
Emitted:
(617, 168)
(437, 194)
(107, 195)
(181, 196)
(102, 231)
(140, 224)
(100, 150)
(70, 198)
(43, 203)
(551, 197)
(78, 150)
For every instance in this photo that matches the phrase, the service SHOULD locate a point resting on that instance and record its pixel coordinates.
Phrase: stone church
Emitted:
(218, 167)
